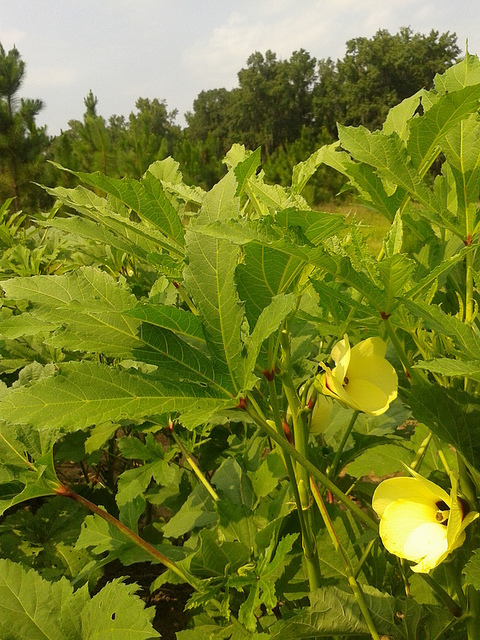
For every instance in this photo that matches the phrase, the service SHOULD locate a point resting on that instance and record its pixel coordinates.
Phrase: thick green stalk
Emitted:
(313, 567)
(312, 469)
(301, 477)
(473, 614)
(468, 317)
(355, 587)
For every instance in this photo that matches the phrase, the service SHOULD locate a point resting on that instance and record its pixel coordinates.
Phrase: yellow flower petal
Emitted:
(366, 396)
(377, 371)
(362, 378)
(419, 521)
(415, 489)
(402, 530)
(341, 356)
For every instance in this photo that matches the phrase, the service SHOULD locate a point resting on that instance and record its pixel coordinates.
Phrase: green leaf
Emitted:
(216, 557)
(316, 226)
(269, 321)
(460, 147)
(196, 512)
(265, 273)
(389, 157)
(141, 239)
(209, 278)
(399, 116)
(44, 540)
(117, 613)
(178, 360)
(454, 416)
(465, 337)
(145, 197)
(245, 169)
(167, 171)
(395, 272)
(85, 306)
(334, 612)
(183, 323)
(31, 607)
(471, 570)
(453, 368)
(427, 131)
(233, 484)
(84, 394)
(27, 457)
(463, 74)
(134, 482)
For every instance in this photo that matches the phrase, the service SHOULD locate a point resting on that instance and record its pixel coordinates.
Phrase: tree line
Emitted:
(287, 107)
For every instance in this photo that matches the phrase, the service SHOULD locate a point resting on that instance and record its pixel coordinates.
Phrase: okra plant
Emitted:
(232, 386)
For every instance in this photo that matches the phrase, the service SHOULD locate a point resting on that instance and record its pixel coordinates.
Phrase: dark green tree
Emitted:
(377, 73)
(147, 136)
(273, 102)
(22, 142)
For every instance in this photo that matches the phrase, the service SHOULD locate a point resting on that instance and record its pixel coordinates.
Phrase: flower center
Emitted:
(443, 512)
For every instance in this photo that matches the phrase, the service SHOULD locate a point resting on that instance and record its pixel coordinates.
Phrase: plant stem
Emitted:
(473, 615)
(420, 455)
(355, 587)
(301, 477)
(312, 469)
(414, 376)
(332, 472)
(468, 317)
(136, 539)
(313, 567)
(195, 467)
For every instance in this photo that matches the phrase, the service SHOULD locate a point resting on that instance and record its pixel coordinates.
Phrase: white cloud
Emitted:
(321, 27)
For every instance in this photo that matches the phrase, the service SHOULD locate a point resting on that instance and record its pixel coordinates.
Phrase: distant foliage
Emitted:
(288, 107)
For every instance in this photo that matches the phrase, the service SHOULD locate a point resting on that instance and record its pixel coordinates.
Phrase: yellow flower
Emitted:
(362, 378)
(419, 521)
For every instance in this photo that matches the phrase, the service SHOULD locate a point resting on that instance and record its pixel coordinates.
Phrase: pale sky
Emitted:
(173, 49)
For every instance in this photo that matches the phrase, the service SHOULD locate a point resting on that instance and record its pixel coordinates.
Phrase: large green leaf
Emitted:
(116, 612)
(427, 131)
(454, 416)
(26, 460)
(145, 197)
(84, 394)
(460, 147)
(178, 360)
(137, 234)
(209, 278)
(466, 337)
(85, 306)
(463, 74)
(265, 272)
(388, 155)
(362, 177)
(183, 323)
(335, 612)
(31, 607)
